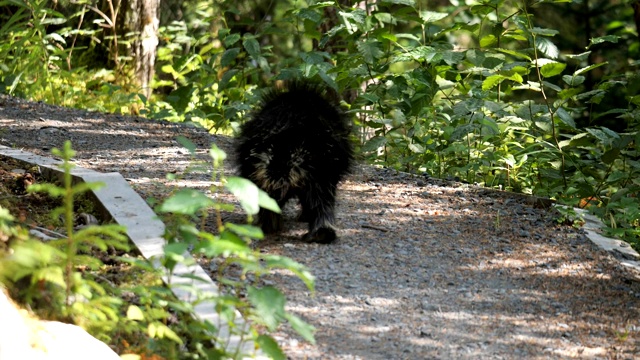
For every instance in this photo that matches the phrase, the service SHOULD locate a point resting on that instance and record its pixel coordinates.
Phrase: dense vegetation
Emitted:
(539, 97)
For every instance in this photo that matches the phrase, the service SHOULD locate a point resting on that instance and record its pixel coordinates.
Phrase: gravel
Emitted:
(423, 269)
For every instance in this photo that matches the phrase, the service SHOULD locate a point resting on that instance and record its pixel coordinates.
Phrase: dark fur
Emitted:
(297, 145)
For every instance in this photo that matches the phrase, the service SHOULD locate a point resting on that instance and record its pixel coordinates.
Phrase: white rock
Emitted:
(25, 337)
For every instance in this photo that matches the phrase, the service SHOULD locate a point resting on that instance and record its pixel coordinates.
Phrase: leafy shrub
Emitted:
(68, 279)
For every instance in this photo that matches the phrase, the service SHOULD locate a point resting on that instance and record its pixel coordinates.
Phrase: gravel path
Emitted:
(423, 269)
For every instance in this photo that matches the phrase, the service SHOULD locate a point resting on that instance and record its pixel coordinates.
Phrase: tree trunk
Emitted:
(141, 18)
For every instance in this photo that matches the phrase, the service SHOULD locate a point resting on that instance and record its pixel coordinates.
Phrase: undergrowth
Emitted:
(92, 277)
(491, 92)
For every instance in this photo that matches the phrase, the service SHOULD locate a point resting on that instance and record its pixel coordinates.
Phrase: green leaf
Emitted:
(481, 10)
(600, 40)
(186, 202)
(370, 50)
(431, 16)
(246, 192)
(573, 80)
(250, 196)
(252, 46)
(217, 154)
(515, 54)
(160, 331)
(251, 231)
(188, 144)
(492, 81)
(400, 2)
(579, 57)
(374, 143)
(589, 68)
(565, 117)
(268, 303)
(547, 47)
(610, 156)
(452, 57)
(270, 347)
(265, 201)
(176, 251)
(544, 32)
(416, 148)
(181, 97)
(229, 56)
(552, 69)
(226, 245)
(488, 40)
(135, 313)
(302, 328)
(282, 262)
(226, 78)
(231, 39)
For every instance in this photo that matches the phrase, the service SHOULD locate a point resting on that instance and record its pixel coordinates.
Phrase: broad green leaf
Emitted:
(229, 56)
(481, 10)
(515, 54)
(176, 250)
(492, 81)
(452, 57)
(246, 192)
(302, 328)
(134, 313)
(600, 40)
(589, 68)
(282, 262)
(231, 39)
(431, 16)
(186, 202)
(226, 245)
(544, 32)
(565, 117)
(270, 347)
(416, 148)
(186, 143)
(488, 40)
(374, 143)
(268, 303)
(245, 230)
(573, 80)
(160, 331)
(265, 201)
(579, 57)
(252, 46)
(552, 69)
(400, 2)
(180, 98)
(309, 14)
(610, 156)
(547, 47)
(370, 50)
(217, 154)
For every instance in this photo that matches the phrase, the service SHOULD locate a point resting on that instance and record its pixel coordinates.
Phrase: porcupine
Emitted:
(296, 145)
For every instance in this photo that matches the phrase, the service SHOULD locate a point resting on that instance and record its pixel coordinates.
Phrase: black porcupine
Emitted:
(296, 145)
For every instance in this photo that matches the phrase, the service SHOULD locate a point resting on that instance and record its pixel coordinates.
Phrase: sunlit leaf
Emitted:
(268, 303)
(552, 69)
(270, 347)
(186, 202)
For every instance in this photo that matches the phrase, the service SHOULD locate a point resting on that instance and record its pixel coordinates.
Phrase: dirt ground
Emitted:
(423, 269)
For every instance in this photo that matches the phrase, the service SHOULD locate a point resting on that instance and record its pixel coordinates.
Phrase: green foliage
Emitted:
(37, 62)
(58, 265)
(502, 93)
(65, 279)
(232, 249)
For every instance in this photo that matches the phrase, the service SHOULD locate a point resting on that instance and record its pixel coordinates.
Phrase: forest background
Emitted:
(539, 97)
